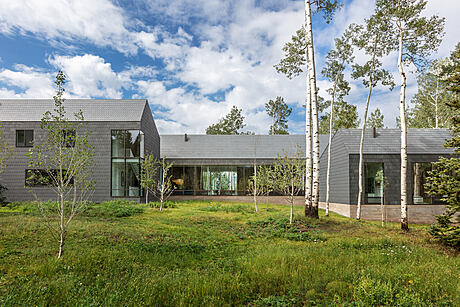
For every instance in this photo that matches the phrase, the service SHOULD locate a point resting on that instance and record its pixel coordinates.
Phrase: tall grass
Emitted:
(193, 256)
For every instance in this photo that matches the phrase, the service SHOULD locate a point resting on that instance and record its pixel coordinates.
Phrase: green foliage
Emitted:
(191, 257)
(2, 197)
(346, 117)
(376, 119)
(279, 111)
(113, 209)
(430, 102)
(157, 204)
(5, 151)
(445, 178)
(233, 208)
(230, 124)
(149, 173)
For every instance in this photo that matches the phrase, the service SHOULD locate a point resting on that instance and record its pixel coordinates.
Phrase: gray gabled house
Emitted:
(122, 131)
(382, 149)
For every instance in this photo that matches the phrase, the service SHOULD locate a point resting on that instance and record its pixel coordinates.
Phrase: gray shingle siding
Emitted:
(339, 184)
(100, 136)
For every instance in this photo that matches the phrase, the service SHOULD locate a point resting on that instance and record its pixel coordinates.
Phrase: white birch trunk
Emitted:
(331, 122)
(314, 107)
(402, 115)
(308, 146)
(162, 189)
(361, 143)
(62, 235)
(382, 200)
(436, 103)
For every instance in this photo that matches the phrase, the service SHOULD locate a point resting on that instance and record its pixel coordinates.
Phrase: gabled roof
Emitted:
(388, 141)
(200, 146)
(93, 109)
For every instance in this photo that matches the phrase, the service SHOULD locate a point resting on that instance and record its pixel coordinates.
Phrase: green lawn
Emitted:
(205, 254)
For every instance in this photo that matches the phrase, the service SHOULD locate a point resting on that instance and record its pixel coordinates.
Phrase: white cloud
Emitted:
(98, 21)
(89, 76)
(31, 82)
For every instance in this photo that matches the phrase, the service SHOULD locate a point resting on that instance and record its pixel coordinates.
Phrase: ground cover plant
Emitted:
(207, 254)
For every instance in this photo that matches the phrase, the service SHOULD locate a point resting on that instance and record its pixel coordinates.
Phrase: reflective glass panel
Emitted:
(118, 177)
(133, 177)
(372, 185)
(118, 143)
(419, 175)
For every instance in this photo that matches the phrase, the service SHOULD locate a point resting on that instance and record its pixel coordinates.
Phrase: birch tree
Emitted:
(373, 40)
(288, 177)
(430, 102)
(5, 151)
(299, 53)
(417, 37)
(380, 177)
(336, 61)
(164, 186)
(149, 175)
(62, 161)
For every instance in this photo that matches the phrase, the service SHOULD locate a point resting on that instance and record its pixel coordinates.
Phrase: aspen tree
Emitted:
(417, 37)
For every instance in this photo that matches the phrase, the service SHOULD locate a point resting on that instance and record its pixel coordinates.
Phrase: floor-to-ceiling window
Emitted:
(211, 180)
(127, 155)
(373, 186)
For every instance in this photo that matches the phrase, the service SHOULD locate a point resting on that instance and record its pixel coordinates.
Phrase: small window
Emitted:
(69, 137)
(24, 138)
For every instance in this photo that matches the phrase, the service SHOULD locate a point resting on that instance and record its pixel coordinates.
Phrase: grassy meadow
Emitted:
(220, 254)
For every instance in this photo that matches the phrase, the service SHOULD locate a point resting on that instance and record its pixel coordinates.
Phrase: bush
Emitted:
(216, 207)
(113, 208)
(2, 197)
(166, 204)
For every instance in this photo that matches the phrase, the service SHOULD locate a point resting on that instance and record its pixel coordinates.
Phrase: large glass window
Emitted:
(127, 153)
(419, 178)
(373, 186)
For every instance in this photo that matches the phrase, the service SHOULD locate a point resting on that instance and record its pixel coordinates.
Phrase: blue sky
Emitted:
(192, 59)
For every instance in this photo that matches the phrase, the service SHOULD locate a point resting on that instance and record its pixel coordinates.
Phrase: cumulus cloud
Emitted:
(206, 55)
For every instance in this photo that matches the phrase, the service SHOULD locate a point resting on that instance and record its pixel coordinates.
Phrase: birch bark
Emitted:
(314, 109)
(402, 116)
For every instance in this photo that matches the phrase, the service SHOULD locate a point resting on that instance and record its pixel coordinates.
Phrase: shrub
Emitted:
(113, 208)
(2, 197)
(166, 204)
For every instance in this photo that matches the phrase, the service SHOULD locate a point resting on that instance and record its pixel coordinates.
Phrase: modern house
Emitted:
(121, 131)
(217, 167)
(213, 166)
(382, 148)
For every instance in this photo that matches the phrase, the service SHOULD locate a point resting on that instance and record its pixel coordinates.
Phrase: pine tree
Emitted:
(229, 124)
(445, 177)
(376, 119)
(279, 111)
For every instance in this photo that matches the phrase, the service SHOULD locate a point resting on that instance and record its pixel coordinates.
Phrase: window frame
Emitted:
(26, 144)
(125, 157)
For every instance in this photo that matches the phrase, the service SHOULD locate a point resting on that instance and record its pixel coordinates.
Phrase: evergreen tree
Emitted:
(229, 124)
(346, 117)
(279, 111)
(376, 119)
(445, 177)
